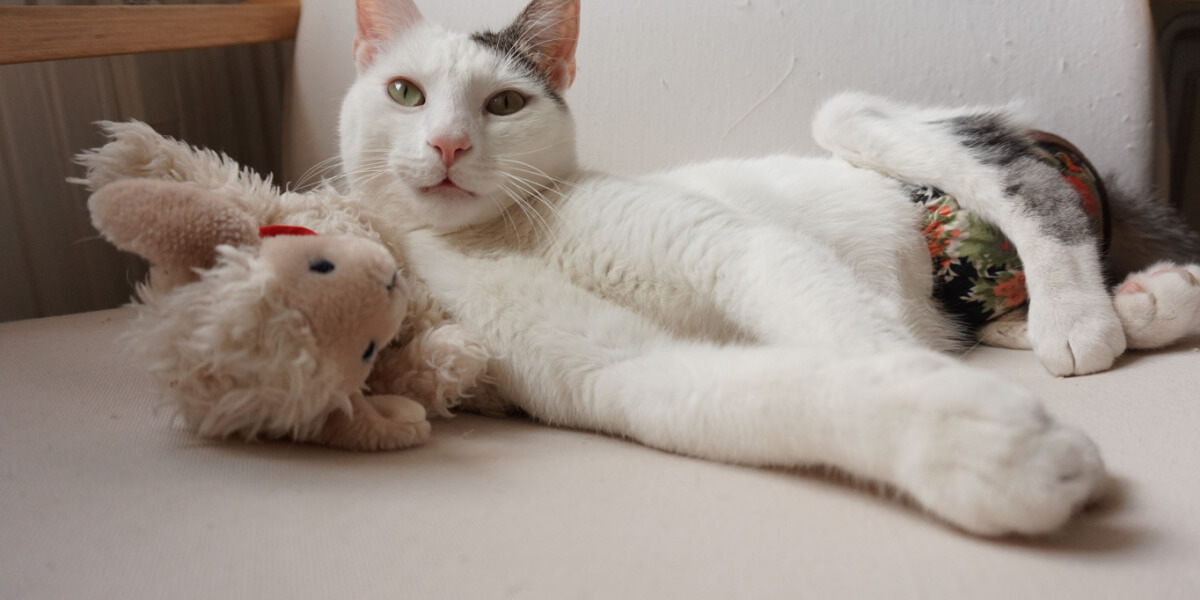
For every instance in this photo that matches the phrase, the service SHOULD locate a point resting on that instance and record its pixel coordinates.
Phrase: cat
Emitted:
(760, 312)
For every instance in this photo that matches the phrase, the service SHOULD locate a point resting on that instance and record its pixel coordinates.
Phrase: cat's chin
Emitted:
(446, 207)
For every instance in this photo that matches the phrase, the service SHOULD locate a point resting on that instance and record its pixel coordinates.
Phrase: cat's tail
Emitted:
(965, 152)
(1146, 231)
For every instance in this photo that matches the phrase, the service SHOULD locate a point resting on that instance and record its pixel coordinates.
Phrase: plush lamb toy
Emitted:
(254, 327)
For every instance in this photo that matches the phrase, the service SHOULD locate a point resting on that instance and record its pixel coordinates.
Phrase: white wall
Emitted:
(664, 82)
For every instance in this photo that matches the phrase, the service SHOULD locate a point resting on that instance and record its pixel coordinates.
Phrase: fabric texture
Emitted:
(978, 271)
(103, 497)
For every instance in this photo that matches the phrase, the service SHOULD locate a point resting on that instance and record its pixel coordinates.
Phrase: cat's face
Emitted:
(446, 128)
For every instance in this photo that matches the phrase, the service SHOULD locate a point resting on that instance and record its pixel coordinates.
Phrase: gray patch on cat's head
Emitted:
(991, 138)
(506, 43)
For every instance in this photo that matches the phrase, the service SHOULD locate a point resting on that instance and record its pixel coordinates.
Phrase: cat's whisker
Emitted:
(545, 201)
(368, 171)
(528, 152)
(314, 170)
(533, 191)
(536, 218)
(528, 168)
(550, 205)
(508, 220)
(507, 212)
(365, 166)
(324, 165)
(525, 208)
(532, 213)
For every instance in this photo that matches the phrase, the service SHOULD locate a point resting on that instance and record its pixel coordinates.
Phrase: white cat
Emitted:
(763, 312)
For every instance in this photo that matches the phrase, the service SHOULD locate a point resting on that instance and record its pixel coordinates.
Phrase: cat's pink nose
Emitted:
(450, 147)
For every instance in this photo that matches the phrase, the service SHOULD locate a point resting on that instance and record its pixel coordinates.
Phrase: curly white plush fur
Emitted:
(238, 309)
(269, 377)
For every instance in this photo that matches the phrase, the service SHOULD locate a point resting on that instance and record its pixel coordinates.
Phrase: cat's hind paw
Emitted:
(992, 462)
(1078, 336)
(1159, 305)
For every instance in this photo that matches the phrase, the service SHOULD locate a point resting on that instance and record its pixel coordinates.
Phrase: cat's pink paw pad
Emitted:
(1159, 305)
(1132, 287)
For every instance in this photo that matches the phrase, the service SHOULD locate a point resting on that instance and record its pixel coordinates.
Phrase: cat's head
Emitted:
(445, 128)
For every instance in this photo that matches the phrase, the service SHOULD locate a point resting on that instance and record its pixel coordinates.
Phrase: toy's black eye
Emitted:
(321, 266)
(392, 284)
(370, 352)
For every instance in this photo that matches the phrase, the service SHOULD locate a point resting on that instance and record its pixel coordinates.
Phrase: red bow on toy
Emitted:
(275, 230)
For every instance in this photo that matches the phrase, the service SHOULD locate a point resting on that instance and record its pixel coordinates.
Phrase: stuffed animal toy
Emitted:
(273, 315)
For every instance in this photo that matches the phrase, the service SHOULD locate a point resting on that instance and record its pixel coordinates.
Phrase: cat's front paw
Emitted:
(1159, 305)
(1076, 336)
(987, 458)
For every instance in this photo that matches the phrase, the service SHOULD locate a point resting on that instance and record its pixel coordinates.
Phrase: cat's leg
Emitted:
(984, 456)
(983, 159)
(866, 219)
(971, 447)
(779, 287)
(1159, 305)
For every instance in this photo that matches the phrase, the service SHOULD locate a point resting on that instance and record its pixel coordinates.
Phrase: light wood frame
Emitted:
(37, 33)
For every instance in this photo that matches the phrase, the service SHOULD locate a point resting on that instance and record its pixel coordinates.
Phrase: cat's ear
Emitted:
(380, 21)
(548, 31)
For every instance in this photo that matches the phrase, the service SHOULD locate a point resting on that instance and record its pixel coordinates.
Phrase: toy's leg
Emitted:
(437, 368)
(383, 422)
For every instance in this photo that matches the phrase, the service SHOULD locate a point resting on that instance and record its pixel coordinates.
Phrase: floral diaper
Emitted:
(978, 272)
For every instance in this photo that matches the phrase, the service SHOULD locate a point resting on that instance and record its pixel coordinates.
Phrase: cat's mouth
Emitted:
(447, 189)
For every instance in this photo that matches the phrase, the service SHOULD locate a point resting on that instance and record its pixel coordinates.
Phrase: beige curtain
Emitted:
(51, 260)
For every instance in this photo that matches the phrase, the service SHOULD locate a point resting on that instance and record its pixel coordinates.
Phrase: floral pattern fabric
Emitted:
(978, 272)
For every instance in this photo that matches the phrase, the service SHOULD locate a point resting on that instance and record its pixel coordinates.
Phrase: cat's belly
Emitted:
(869, 220)
(673, 305)
(637, 243)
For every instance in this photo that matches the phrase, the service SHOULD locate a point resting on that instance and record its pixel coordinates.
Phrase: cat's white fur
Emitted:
(760, 312)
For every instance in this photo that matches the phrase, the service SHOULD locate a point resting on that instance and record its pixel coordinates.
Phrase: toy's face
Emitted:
(349, 290)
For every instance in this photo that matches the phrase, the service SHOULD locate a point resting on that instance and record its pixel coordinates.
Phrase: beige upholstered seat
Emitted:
(102, 497)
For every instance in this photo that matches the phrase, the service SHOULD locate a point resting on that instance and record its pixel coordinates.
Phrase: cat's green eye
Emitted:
(406, 93)
(506, 103)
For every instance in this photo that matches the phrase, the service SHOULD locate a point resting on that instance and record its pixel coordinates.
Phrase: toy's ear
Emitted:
(176, 226)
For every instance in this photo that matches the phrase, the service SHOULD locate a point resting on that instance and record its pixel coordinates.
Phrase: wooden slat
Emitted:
(35, 33)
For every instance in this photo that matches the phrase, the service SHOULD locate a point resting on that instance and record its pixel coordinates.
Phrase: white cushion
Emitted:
(103, 498)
